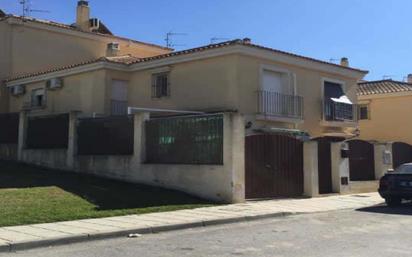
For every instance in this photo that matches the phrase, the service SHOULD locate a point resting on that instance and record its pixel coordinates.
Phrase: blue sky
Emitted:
(374, 34)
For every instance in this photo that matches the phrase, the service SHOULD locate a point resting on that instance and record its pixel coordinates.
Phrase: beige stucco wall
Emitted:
(82, 92)
(37, 46)
(389, 119)
(31, 47)
(231, 82)
(197, 85)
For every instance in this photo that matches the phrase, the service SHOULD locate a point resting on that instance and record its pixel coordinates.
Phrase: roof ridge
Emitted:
(384, 80)
(244, 42)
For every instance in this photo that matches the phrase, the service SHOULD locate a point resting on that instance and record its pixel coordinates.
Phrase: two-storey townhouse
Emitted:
(276, 92)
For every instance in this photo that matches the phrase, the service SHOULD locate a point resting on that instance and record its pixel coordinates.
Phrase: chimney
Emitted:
(113, 49)
(344, 61)
(83, 15)
(409, 78)
(247, 41)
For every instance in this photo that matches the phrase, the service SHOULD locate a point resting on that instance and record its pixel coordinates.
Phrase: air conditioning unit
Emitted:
(94, 24)
(18, 90)
(54, 83)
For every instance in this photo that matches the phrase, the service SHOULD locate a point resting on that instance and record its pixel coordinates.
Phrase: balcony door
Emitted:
(119, 97)
(274, 82)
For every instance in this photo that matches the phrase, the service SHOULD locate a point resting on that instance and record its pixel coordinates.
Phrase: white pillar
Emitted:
(139, 138)
(22, 135)
(310, 169)
(238, 158)
(72, 140)
(383, 159)
(340, 168)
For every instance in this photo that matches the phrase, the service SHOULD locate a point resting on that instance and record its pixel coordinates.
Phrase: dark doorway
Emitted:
(401, 153)
(274, 166)
(325, 163)
(361, 160)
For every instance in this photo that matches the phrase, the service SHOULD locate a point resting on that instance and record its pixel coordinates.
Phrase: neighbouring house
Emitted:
(31, 45)
(383, 110)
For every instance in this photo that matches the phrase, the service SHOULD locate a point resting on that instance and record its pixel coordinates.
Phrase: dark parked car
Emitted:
(397, 185)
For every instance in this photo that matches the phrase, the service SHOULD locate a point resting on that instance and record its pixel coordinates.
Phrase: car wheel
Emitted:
(393, 201)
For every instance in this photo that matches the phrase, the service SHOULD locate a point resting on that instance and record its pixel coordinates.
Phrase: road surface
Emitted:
(375, 231)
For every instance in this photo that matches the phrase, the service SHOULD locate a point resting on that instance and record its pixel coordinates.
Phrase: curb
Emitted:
(123, 233)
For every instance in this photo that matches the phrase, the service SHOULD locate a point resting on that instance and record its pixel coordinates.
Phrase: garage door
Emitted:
(274, 166)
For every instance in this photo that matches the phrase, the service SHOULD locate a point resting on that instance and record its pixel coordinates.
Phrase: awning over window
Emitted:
(343, 99)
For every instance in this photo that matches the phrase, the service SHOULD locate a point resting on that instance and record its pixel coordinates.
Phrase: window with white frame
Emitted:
(38, 97)
(161, 85)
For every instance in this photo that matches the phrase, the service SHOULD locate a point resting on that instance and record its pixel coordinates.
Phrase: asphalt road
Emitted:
(375, 231)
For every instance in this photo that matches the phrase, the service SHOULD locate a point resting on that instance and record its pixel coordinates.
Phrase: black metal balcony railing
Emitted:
(335, 111)
(280, 105)
(118, 107)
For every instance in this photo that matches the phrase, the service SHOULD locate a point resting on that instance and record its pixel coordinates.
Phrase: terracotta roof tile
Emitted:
(126, 60)
(382, 87)
(244, 42)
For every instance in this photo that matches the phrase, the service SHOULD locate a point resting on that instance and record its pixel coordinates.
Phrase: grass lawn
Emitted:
(31, 195)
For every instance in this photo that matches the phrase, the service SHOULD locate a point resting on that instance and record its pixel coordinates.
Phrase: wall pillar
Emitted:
(383, 159)
(238, 158)
(340, 168)
(72, 140)
(22, 135)
(310, 169)
(139, 138)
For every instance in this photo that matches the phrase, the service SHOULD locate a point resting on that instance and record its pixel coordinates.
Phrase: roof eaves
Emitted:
(61, 68)
(241, 42)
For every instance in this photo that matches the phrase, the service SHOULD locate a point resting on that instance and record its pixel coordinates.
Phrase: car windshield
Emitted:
(406, 168)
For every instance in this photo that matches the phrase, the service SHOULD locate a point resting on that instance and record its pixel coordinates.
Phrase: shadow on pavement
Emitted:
(404, 209)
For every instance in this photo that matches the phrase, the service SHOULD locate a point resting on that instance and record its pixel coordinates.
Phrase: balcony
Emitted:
(280, 107)
(339, 114)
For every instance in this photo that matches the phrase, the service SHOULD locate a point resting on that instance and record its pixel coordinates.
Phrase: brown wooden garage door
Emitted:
(401, 153)
(361, 160)
(274, 166)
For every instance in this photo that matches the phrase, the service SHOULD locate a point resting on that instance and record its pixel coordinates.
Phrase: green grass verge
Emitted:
(30, 195)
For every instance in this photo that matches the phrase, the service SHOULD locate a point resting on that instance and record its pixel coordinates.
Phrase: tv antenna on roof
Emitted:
(26, 8)
(170, 35)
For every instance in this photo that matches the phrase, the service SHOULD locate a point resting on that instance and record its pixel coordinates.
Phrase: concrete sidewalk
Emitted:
(30, 236)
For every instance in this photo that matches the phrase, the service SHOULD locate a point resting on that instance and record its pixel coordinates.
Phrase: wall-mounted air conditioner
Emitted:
(54, 83)
(17, 90)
